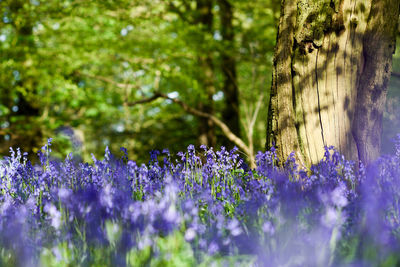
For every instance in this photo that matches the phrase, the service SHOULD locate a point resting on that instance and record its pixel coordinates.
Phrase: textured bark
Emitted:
(230, 114)
(281, 130)
(331, 69)
(372, 89)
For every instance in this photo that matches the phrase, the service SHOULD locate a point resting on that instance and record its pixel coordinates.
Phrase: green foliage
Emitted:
(172, 251)
(77, 64)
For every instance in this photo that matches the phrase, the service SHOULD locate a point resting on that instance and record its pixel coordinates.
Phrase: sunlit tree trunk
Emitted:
(331, 70)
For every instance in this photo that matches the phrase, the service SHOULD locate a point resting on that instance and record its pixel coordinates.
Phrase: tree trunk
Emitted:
(204, 18)
(331, 69)
(206, 125)
(24, 129)
(230, 114)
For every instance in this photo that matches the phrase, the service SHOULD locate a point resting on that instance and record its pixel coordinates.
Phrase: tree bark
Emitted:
(372, 89)
(331, 69)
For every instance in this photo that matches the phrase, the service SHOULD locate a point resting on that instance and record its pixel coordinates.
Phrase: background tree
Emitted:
(331, 71)
(230, 112)
(87, 61)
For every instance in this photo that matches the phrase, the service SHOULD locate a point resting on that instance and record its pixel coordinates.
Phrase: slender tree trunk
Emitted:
(331, 69)
(230, 114)
(206, 126)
